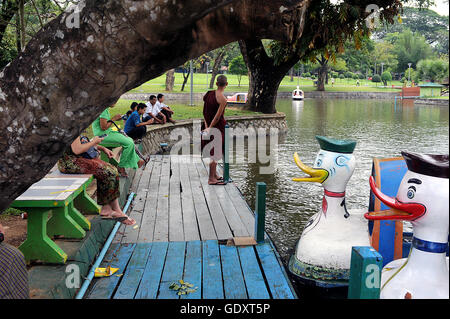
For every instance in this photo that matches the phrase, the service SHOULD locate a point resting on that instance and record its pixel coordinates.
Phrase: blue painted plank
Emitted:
(233, 280)
(173, 269)
(148, 288)
(133, 274)
(278, 283)
(193, 269)
(104, 287)
(254, 280)
(212, 286)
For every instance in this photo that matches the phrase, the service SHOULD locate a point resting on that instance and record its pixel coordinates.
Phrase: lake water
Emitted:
(380, 129)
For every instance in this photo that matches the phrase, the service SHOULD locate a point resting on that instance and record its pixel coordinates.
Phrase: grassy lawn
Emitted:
(200, 85)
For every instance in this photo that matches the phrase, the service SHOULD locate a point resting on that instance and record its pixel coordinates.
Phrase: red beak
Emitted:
(398, 211)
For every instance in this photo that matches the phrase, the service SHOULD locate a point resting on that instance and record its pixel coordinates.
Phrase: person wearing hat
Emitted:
(324, 249)
(422, 198)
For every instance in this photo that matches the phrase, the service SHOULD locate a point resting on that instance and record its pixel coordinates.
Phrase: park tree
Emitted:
(386, 77)
(433, 26)
(433, 69)
(238, 67)
(67, 75)
(410, 47)
(218, 56)
(324, 26)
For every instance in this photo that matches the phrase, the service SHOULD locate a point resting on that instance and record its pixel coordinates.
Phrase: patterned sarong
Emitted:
(13, 273)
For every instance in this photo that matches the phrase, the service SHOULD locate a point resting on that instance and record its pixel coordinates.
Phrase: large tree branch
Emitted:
(67, 76)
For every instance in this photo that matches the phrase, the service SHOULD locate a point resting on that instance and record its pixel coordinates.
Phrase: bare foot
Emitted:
(106, 211)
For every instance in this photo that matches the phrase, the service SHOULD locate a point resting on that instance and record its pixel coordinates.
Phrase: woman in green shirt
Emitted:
(129, 158)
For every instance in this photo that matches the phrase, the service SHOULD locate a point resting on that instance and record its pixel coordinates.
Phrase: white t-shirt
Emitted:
(154, 109)
(160, 105)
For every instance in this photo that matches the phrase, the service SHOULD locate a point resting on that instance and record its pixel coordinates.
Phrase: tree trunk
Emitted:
(264, 76)
(291, 74)
(170, 79)
(22, 23)
(67, 76)
(185, 79)
(215, 70)
(7, 12)
(322, 73)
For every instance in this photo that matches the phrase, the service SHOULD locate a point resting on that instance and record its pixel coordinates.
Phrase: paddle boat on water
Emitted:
(238, 98)
(422, 198)
(297, 94)
(323, 253)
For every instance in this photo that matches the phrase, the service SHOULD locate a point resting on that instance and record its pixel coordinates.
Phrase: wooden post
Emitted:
(226, 156)
(365, 273)
(260, 211)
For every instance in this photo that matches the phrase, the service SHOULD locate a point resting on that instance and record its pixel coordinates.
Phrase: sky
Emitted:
(440, 7)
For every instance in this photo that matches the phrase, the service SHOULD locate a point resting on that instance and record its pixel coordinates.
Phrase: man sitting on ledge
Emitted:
(165, 109)
(134, 127)
(153, 112)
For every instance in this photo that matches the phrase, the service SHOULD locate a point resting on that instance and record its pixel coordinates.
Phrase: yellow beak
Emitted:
(316, 175)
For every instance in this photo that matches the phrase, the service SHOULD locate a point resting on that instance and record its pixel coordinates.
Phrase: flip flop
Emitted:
(218, 183)
(117, 219)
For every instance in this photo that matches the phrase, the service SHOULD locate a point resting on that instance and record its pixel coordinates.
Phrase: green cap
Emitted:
(337, 146)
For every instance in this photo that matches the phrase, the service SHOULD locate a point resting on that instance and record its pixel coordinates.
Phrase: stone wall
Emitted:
(157, 134)
(185, 97)
(442, 102)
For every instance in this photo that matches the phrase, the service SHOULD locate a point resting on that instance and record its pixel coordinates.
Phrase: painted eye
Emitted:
(341, 160)
(411, 193)
(319, 163)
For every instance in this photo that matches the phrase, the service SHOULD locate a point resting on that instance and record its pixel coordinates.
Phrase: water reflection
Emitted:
(381, 130)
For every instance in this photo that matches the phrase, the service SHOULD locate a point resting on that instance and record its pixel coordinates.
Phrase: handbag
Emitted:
(92, 152)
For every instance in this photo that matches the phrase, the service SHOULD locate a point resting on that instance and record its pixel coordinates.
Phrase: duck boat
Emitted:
(297, 94)
(422, 198)
(323, 252)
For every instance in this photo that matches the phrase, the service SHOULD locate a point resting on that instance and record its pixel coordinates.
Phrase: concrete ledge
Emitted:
(157, 134)
(432, 102)
(198, 97)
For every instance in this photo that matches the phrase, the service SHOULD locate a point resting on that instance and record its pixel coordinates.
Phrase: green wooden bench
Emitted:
(59, 194)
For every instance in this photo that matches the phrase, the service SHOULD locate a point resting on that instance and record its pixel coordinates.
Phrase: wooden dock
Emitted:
(183, 227)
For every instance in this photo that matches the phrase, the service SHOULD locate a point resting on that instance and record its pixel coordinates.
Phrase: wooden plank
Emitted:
(232, 216)
(212, 285)
(254, 280)
(148, 219)
(221, 226)
(193, 269)
(161, 232)
(278, 283)
(204, 220)
(190, 227)
(149, 286)
(131, 233)
(104, 287)
(176, 232)
(134, 271)
(233, 280)
(173, 269)
(243, 209)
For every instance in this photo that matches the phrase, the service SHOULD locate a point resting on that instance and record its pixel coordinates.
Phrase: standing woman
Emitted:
(82, 157)
(213, 114)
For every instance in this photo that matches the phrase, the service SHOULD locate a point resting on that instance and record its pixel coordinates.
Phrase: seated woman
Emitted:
(82, 157)
(129, 158)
